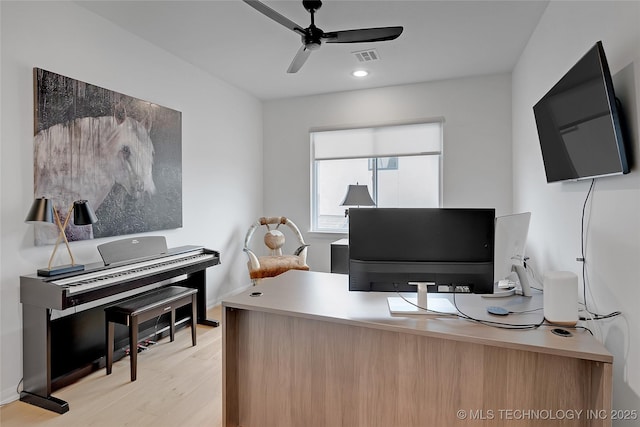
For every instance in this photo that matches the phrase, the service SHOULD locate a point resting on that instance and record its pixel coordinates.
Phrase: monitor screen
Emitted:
(452, 249)
(510, 240)
(578, 123)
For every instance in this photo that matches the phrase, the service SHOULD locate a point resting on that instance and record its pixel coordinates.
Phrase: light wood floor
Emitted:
(177, 385)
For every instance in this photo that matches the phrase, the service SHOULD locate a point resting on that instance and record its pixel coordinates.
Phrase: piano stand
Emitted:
(199, 281)
(47, 402)
(208, 322)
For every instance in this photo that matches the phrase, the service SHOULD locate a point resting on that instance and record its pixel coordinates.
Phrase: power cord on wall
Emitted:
(593, 316)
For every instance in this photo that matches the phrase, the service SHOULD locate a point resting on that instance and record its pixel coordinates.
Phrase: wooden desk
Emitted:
(308, 352)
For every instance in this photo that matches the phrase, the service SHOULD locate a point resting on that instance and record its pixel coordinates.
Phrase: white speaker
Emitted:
(560, 298)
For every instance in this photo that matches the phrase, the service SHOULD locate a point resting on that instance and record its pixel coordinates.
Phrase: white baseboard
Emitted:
(9, 395)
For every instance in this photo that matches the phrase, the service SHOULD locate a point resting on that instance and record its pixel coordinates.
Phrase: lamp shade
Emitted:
(83, 213)
(357, 195)
(41, 211)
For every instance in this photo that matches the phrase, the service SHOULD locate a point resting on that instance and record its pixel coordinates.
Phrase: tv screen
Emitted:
(578, 123)
(452, 249)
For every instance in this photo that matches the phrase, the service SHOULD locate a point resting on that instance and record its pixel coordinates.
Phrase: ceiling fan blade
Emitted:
(299, 59)
(363, 35)
(270, 13)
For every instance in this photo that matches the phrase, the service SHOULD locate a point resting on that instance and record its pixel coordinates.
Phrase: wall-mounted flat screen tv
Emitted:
(578, 123)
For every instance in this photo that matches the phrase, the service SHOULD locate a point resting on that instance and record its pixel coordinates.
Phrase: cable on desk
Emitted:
(576, 327)
(501, 325)
(525, 311)
(424, 308)
(465, 316)
(600, 316)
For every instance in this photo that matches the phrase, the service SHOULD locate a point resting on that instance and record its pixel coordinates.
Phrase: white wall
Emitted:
(221, 147)
(477, 143)
(567, 31)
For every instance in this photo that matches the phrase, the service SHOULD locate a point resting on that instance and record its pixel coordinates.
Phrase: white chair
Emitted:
(275, 262)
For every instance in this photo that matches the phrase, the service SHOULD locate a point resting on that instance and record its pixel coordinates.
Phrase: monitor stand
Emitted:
(517, 272)
(416, 305)
(500, 293)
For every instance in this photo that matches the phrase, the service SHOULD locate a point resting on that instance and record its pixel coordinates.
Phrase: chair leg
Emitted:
(194, 316)
(133, 345)
(110, 345)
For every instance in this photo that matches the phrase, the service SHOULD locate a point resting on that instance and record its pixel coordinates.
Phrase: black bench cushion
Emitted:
(150, 300)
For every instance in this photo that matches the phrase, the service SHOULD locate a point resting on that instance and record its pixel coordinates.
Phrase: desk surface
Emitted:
(324, 296)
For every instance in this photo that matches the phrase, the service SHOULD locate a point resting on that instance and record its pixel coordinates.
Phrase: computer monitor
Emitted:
(510, 241)
(449, 249)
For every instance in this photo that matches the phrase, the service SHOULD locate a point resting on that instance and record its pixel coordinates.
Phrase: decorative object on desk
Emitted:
(120, 153)
(357, 195)
(43, 210)
(275, 263)
(561, 298)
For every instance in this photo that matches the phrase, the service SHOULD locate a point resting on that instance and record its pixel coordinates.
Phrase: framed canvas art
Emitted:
(122, 154)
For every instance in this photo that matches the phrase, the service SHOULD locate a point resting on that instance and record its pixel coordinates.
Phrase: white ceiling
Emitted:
(232, 41)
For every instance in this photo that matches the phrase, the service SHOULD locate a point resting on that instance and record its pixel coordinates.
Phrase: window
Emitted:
(401, 166)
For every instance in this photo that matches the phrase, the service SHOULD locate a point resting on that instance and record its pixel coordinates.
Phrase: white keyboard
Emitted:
(102, 278)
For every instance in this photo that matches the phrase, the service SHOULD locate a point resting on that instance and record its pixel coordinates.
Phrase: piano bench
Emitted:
(133, 311)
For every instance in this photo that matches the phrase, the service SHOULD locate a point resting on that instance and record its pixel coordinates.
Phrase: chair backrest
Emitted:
(274, 239)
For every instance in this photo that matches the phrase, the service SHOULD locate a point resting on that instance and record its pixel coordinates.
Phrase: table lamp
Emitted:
(43, 210)
(357, 195)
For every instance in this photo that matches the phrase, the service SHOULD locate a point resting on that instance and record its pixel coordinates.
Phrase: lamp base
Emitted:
(62, 269)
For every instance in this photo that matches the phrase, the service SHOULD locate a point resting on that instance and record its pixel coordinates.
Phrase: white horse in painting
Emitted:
(85, 158)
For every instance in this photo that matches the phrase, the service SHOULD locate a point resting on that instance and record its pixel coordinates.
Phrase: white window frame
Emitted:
(408, 149)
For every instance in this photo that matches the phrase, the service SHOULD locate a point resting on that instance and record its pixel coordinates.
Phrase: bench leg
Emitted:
(194, 317)
(133, 345)
(172, 326)
(110, 345)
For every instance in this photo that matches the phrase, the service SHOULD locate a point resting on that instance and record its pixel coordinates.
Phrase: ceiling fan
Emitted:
(312, 36)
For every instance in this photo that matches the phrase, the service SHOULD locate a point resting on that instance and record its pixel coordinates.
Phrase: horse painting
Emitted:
(120, 153)
(85, 158)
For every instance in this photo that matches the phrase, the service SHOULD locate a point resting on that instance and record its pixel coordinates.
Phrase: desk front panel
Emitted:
(308, 352)
(284, 370)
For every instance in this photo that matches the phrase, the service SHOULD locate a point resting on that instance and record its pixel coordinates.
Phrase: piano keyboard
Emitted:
(102, 278)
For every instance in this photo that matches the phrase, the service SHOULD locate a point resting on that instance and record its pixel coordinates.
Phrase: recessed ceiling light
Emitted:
(360, 73)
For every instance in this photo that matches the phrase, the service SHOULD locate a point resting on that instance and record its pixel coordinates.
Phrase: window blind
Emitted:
(384, 141)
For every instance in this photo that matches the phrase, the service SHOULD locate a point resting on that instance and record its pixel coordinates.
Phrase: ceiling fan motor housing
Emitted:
(312, 38)
(311, 5)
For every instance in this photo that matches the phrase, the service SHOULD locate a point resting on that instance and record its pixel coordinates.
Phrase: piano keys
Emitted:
(63, 316)
(112, 276)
